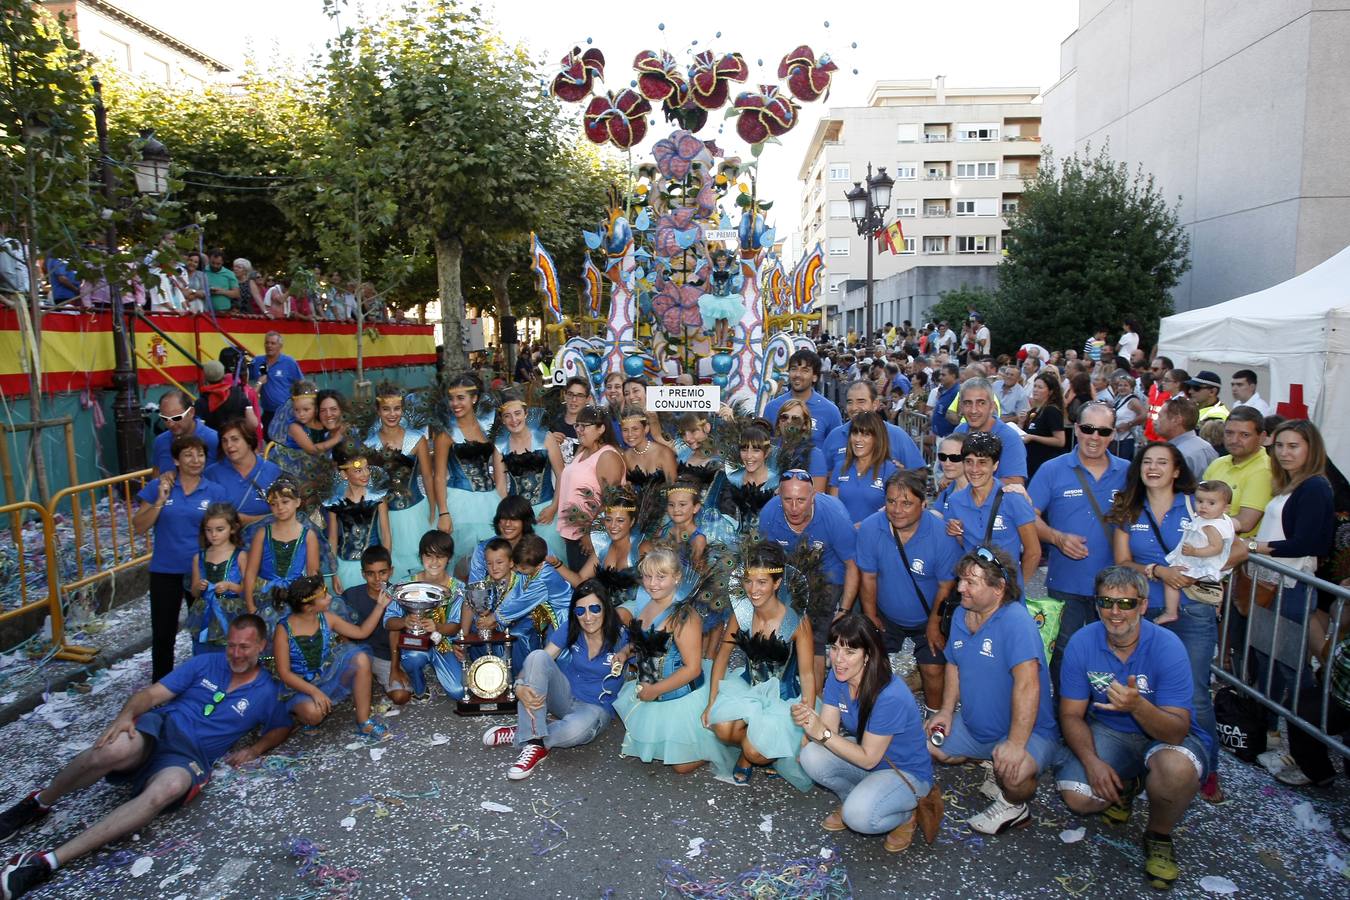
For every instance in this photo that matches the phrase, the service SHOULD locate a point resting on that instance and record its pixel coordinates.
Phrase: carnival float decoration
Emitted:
(679, 273)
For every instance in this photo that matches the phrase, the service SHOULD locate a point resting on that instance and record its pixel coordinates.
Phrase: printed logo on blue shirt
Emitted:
(206, 683)
(1100, 681)
(1141, 682)
(1073, 492)
(843, 706)
(958, 645)
(998, 524)
(916, 566)
(241, 705)
(987, 648)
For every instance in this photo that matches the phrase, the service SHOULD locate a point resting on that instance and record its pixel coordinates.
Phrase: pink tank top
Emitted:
(577, 477)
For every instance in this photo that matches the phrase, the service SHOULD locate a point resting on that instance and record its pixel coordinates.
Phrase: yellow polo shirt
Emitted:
(1250, 481)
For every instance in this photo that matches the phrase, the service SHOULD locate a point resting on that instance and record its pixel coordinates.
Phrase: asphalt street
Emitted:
(411, 823)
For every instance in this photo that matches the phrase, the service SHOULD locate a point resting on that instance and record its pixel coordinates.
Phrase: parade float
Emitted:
(686, 263)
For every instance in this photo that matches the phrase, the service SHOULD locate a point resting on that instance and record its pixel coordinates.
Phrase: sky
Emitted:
(972, 42)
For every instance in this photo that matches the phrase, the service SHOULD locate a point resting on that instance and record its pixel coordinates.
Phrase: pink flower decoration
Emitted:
(807, 77)
(617, 118)
(659, 76)
(676, 307)
(710, 79)
(579, 69)
(676, 154)
(676, 232)
(764, 115)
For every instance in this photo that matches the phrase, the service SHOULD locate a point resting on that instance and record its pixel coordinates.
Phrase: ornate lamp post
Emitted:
(867, 207)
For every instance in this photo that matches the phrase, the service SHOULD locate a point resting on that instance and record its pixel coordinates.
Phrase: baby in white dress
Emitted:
(1206, 540)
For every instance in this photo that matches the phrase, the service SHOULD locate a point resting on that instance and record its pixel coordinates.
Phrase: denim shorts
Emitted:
(923, 654)
(1128, 753)
(960, 742)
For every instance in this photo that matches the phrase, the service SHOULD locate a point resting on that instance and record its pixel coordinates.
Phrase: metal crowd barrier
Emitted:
(917, 425)
(1283, 641)
(17, 512)
(110, 526)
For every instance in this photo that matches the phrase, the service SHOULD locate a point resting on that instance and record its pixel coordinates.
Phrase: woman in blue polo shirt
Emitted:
(242, 473)
(793, 426)
(860, 479)
(983, 514)
(867, 744)
(173, 506)
(574, 678)
(1147, 516)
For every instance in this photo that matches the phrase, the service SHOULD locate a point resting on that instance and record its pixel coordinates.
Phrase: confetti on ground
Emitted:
(1072, 835)
(438, 739)
(766, 824)
(1217, 884)
(336, 879)
(348, 823)
(695, 847)
(1310, 819)
(141, 866)
(377, 752)
(816, 879)
(495, 807)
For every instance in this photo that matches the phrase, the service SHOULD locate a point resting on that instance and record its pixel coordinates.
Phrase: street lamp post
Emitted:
(867, 207)
(152, 176)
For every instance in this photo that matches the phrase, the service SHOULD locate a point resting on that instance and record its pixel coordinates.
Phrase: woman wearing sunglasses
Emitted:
(796, 449)
(576, 689)
(1147, 516)
(951, 473)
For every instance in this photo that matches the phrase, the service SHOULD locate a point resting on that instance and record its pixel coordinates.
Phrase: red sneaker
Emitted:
(500, 736)
(531, 755)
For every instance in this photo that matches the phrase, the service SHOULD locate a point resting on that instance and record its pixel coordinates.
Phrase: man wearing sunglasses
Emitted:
(1072, 495)
(797, 515)
(1125, 711)
(803, 373)
(177, 415)
(163, 744)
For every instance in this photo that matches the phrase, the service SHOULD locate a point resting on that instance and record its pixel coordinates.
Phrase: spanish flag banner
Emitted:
(892, 238)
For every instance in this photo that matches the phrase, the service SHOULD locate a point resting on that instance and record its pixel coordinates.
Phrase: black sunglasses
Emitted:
(1100, 430)
(796, 475)
(951, 457)
(1125, 603)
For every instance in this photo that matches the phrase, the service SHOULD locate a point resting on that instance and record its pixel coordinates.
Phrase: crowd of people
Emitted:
(733, 588)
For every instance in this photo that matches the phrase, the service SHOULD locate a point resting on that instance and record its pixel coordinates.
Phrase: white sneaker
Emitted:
(1293, 776)
(1275, 761)
(1000, 816)
(499, 736)
(990, 789)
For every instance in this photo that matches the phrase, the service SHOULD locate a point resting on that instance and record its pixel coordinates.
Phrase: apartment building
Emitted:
(1241, 110)
(134, 45)
(959, 157)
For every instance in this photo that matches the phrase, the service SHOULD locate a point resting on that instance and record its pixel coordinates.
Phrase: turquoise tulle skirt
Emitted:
(348, 571)
(672, 730)
(712, 307)
(335, 678)
(768, 720)
(471, 514)
(406, 527)
(549, 532)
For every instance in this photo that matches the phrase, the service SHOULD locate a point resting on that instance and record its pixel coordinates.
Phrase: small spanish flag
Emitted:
(892, 238)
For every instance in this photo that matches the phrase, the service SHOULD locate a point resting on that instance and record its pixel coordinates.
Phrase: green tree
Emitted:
(954, 306)
(1090, 245)
(463, 128)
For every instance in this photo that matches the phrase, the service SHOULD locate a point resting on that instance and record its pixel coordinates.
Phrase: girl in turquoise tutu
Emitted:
(217, 584)
(285, 547)
(748, 488)
(466, 494)
(318, 670)
(750, 708)
(528, 463)
(357, 515)
(661, 710)
(406, 460)
(615, 540)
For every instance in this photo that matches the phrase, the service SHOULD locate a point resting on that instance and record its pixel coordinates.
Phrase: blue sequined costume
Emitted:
(358, 527)
(529, 474)
(409, 508)
(470, 493)
(336, 668)
(210, 615)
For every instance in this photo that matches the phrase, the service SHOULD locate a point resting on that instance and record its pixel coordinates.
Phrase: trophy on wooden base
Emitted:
(416, 598)
(488, 689)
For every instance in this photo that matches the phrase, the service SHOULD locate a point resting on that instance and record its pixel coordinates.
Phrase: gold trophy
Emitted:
(487, 679)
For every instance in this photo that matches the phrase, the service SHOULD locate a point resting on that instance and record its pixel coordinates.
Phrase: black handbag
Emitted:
(1241, 724)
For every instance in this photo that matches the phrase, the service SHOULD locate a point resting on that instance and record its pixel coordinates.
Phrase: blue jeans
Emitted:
(874, 802)
(577, 722)
(1198, 627)
(1079, 610)
(1128, 753)
(449, 671)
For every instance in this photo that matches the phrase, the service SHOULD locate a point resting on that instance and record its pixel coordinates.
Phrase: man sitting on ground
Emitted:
(163, 744)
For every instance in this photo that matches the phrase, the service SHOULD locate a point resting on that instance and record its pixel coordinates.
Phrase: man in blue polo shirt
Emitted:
(1125, 707)
(803, 373)
(949, 385)
(980, 411)
(1071, 523)
(273, 374)
(996, 670)
(179, 417)
(862, 397)
(164, 744)
(799, 514)
(909, 552)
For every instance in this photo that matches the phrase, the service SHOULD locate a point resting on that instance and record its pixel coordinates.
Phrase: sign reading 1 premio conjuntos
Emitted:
(700, 398)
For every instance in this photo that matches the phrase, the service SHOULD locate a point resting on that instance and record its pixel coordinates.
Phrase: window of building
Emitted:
(934, 244)
(155, 69)
(836, 281)
(977, 170)
(1010, 206)
(909, 246)
(978, 206)
(934, 210)
(839, 246)
(906, 208)
(907, 134)
(115, 51)
(839, 172)
(975, 244)
(838, 209)
(936, 173)
(906, 171)
(977, 131)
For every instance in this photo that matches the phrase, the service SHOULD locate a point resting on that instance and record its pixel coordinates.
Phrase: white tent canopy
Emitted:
(1297, 331)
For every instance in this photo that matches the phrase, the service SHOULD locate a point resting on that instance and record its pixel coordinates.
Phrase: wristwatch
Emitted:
(1251, 545)
(825, 737)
